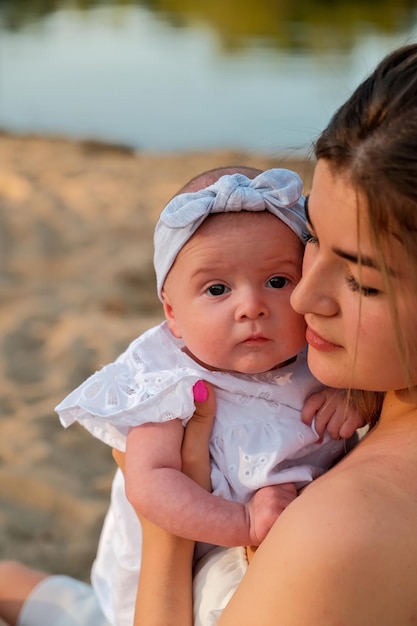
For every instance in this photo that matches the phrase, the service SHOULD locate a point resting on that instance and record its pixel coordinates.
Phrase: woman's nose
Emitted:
(315, 292)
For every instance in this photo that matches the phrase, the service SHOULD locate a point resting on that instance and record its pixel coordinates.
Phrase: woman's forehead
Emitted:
(338, 212)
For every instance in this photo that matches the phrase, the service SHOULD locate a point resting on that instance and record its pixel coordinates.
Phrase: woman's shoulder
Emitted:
(329, 509)
(343, 552)
(357, 502)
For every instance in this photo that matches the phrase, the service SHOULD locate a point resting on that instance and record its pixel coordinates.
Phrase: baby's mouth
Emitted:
(256, 339)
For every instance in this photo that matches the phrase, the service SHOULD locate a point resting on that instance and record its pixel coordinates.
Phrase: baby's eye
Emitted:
(278, 282)
(217, 290)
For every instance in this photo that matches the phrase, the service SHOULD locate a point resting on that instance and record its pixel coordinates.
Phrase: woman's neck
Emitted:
(394, 438)
(399, 409)
(388, 451)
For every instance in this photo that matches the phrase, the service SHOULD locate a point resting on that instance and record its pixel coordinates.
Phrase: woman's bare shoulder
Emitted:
(332, 516)
(345, 510)
(343, 540)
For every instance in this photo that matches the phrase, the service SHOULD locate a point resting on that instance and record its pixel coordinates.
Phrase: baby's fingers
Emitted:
(343, 419)
(352, 421)
(311, 410)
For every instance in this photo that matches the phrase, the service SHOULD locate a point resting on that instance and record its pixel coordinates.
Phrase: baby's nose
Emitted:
(251, 306)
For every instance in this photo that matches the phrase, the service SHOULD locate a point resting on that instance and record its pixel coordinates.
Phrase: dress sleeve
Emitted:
(118, 397)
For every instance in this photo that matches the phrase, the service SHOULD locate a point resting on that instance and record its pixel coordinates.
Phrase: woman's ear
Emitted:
(170, 316)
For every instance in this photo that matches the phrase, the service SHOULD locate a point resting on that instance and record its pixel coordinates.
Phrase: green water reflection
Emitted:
(294, 25)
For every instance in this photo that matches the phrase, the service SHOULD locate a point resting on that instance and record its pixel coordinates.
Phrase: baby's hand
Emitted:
(331, 409)
(265, 506)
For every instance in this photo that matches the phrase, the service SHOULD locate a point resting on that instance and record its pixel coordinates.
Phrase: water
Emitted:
(127, 74)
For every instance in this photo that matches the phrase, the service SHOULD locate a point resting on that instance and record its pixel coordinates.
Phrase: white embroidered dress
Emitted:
(258, 438)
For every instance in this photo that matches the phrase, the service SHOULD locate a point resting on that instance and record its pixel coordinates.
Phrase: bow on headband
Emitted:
(276, 190)
(272, 190)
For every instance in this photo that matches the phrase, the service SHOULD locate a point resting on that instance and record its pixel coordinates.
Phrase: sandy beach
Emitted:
(76, 285)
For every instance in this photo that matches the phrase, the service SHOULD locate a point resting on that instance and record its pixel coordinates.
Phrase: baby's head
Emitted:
(223, 190)
(228, 249)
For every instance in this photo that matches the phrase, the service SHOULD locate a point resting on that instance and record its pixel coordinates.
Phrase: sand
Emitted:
(76, 286)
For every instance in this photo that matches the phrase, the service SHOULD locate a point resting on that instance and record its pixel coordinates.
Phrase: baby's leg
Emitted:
(16, 582)
(30, 597)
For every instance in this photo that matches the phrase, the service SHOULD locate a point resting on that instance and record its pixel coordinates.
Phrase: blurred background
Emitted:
(106, 110)
(163, 75)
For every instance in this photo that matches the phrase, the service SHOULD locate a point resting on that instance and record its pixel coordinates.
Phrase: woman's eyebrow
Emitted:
(358, 259)
(349, 256)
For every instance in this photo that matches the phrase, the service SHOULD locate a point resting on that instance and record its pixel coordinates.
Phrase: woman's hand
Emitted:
(195, 445)
(164, 596)
(119, 457)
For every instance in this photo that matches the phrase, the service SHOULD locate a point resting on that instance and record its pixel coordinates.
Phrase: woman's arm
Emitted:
(164, 595)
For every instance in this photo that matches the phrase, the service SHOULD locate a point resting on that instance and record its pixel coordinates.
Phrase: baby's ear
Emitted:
(170, 316)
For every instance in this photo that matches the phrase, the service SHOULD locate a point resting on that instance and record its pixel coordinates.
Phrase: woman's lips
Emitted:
(317, 342)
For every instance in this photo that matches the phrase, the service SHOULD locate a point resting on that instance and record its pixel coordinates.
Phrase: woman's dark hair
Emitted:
(371, 140)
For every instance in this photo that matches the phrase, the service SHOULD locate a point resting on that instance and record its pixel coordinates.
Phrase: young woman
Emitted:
(345, 551)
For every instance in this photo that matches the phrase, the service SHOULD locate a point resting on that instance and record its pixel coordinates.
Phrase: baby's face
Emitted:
(228, 293)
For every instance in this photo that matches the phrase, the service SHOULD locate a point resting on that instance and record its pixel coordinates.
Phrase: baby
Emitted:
(227, 258)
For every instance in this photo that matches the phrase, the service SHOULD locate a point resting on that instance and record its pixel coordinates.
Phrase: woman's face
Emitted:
(350, 330)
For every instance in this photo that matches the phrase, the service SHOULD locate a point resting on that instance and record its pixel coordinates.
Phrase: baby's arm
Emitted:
(160, 492)
(332, 410)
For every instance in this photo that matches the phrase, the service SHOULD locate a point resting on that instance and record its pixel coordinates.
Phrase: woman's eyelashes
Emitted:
(308, 237)
(353, 284)
(363, 289)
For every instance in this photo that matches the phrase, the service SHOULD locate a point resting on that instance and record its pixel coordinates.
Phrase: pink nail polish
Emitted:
(200, 391)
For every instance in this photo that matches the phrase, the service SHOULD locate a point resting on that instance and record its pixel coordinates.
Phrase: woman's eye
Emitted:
(310, 238)
(363, 289)
(217, 290)
(278, 282)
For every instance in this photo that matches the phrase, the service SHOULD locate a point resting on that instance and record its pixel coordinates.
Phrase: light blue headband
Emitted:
(276, 190)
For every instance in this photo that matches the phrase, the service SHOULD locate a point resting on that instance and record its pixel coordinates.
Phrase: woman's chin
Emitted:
(326, 370)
